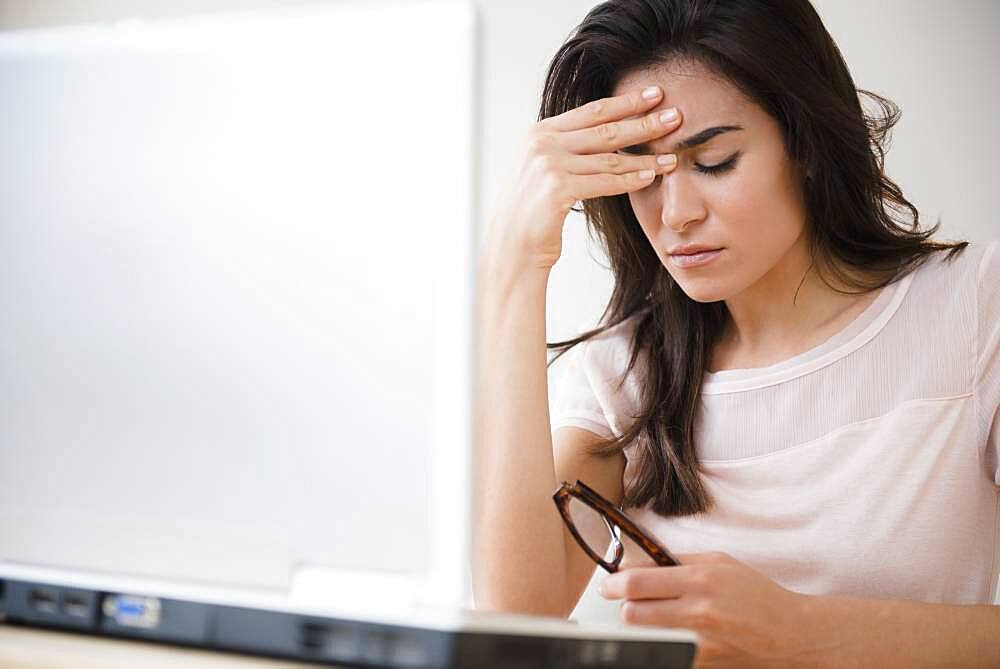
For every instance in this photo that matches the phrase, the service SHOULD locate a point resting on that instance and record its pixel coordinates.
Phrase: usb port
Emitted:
(43, 601)
(76, 604)
(342, 644)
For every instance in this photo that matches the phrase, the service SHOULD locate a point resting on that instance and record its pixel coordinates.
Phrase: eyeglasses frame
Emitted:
(660, 555)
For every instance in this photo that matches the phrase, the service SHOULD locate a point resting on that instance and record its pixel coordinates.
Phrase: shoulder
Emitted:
(604, 359)
(965, 264)
(988, 288)
(607, 354)
(989, 265)
(592, 381)
(961, 290)
(951, 279)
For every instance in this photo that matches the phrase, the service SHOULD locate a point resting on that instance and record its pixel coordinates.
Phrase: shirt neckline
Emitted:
(850, 338)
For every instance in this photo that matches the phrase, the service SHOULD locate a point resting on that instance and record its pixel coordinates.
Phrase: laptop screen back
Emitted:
(234, 283)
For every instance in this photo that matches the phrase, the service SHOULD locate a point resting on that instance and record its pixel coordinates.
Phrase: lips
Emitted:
(687, 260)
(691, 249)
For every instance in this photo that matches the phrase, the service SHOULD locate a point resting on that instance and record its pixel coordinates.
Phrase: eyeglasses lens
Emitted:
(602, 537)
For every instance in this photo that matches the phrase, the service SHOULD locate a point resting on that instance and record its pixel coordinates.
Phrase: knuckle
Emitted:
(553, 182)
(630, 585)
(649, 123)
(702, 580)
(546, 162)
(628, 612)
(635, 101)
(539, 143)
(612, 161)
(595, 108)
(703, 614)
(607, 131)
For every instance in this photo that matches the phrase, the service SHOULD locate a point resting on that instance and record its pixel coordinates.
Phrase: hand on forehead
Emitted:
(701, 95)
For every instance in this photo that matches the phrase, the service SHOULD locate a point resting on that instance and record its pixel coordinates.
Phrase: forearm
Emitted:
(518, 538)
(853, 632)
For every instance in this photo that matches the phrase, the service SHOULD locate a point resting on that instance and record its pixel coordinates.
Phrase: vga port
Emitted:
(132, 610)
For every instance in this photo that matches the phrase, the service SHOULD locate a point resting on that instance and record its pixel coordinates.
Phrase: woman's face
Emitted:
(751, 207)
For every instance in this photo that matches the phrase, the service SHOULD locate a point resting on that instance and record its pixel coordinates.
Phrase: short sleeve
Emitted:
(572, 399)
(987, 387)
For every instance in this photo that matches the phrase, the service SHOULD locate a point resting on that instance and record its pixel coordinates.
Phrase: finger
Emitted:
(618, 163)
(616, 135)
(648, 583)
(687, 612)
(600, 111)
(587, 186)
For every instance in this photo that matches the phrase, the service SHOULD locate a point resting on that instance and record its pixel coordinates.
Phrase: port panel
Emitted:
(52, 605)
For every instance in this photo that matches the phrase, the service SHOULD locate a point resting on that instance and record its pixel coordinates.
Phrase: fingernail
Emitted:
(668, 115)
(646, 174)
(665, 160)
(651, 92)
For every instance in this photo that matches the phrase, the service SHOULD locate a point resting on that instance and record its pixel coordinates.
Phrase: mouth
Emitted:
(697, 259)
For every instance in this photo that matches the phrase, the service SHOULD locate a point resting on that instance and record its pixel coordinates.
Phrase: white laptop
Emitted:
(236, 289)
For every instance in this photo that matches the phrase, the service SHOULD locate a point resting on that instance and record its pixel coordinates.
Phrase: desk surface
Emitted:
(27, 648)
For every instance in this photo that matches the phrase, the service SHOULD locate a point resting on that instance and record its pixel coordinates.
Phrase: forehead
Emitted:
(701, 95)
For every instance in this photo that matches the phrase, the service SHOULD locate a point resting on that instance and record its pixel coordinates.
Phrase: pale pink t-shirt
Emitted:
(866, 466)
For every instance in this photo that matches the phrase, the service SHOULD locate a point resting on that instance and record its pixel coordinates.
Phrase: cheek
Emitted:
(760, 209)
(755, 211)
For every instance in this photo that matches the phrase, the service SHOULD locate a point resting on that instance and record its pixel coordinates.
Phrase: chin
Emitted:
(706, 297)
(706, 290)
(711, 283)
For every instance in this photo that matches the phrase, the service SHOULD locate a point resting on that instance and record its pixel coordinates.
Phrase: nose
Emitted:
(680, 201)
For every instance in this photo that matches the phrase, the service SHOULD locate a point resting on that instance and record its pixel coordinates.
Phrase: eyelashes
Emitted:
(719, 168)
(716, 170)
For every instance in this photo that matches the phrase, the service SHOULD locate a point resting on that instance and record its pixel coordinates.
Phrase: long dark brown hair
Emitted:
(779, 54)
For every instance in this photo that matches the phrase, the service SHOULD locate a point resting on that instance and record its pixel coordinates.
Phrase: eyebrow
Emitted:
(688, 143)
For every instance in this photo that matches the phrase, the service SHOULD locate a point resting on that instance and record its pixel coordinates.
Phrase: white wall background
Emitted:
(938, 61)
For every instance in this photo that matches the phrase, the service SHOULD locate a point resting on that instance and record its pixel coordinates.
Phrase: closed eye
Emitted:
(718, 168)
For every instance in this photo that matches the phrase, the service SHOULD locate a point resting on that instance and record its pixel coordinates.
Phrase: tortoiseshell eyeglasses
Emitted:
(598, 527)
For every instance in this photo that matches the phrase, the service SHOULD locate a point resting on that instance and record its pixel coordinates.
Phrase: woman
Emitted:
(793, 386)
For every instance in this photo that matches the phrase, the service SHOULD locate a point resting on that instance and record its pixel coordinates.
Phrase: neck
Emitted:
(787, 311)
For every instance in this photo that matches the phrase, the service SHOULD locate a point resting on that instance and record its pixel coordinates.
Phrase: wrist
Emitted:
(505, 259)
(525, 247)
(825, 630)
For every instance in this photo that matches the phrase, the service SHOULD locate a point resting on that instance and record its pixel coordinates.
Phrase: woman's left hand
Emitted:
(744, 619)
